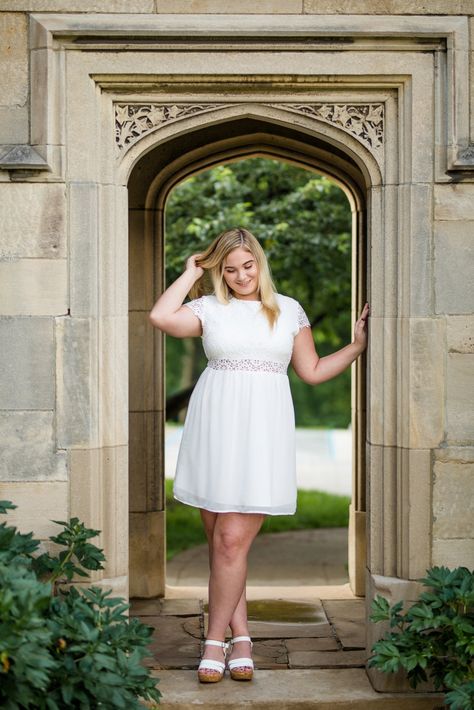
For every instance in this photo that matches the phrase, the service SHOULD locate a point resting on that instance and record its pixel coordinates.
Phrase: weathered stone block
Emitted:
(386, 7)
(423, 381)
(454, 201)
(79, 5)
(453, 553)
(33, 222)
(382, 513)
(417, 294)
(146, 461)
(273, 7)
(147, 554)
(27, 363)
(146, 351)
(13, 58)
(459, 409)
(28, 448)
(113, 250)
(414, 512)
(460, 334)
(453, 500)
(455, 454)
(113, 381)
(38, 505)
(143, 262)
(99, 497)
(454, 266)
(384, 357)
(77, 382)
(13, 125)
(84, 268)
(33, 287)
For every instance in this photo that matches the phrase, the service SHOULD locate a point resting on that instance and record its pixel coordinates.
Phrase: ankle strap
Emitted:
(236, 639)
(221, 644)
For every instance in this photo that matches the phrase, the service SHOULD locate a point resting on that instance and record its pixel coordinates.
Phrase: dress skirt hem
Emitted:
(196, 502)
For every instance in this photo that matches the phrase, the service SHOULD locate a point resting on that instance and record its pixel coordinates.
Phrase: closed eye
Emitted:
(247, 265)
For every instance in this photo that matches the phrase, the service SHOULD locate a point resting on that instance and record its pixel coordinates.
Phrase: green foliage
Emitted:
(74, 649)
(315, 509)
(303, 222)
(434, 638)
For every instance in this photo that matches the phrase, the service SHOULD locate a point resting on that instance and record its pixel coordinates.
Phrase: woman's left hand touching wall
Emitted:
(361, 328)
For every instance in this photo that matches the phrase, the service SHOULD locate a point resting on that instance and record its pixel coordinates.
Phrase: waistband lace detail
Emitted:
(248, 365)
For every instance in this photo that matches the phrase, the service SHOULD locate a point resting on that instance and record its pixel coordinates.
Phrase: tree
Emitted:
(303, 222)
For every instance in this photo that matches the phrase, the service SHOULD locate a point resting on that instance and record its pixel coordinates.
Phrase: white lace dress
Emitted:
(237, 452)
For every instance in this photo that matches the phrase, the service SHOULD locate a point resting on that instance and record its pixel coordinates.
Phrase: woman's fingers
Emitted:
(191, 263)
(360, 330)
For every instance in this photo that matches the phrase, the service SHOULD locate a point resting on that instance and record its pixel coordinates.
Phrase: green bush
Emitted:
(434, 638)
(63, 647)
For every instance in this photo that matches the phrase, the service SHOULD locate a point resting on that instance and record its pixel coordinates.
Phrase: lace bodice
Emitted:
(237, 335)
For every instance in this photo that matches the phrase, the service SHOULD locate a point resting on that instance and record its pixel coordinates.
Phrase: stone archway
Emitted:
(80, 86)
(310, 72)
(242, 131)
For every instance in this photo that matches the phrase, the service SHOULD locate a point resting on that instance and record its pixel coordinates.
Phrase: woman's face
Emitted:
(241, 274)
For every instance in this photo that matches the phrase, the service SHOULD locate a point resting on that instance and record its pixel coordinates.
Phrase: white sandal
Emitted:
(241, 668)
(207, 664)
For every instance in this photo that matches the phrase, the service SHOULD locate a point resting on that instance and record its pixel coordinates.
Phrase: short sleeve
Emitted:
(197, 307)
(303, 321)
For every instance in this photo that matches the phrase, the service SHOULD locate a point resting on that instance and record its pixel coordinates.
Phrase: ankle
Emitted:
(239, 634)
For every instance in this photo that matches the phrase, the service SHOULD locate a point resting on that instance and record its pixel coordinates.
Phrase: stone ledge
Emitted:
(22, 157)
(300, 689)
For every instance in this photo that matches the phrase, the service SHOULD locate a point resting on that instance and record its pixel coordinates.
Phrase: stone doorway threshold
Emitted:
(309, 652)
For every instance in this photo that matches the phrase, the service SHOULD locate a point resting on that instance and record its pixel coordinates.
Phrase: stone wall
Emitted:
(63, 310)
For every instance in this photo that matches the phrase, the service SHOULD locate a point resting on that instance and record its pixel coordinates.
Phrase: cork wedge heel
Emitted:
(210, 671)
(241, 668)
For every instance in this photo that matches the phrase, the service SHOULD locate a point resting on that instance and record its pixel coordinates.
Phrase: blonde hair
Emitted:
(213, 261)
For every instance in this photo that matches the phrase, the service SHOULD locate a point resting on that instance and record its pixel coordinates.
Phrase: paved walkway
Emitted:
(287, 633)
(308, 654)
(301, 557)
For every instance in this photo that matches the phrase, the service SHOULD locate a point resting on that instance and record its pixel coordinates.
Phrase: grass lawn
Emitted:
(314, 510)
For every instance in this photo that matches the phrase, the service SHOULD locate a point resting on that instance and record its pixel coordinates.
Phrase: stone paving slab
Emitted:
(298, 689)
(348, 619)
(168, 607)
(270, 654)
(170, 644)
(267, 630)
(324, 659)
(312, 644)
(287, 633)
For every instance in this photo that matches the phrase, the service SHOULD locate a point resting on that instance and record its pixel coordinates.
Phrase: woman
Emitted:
(237, 457)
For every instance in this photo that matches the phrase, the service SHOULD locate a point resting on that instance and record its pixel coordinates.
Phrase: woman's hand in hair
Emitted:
(193, 267)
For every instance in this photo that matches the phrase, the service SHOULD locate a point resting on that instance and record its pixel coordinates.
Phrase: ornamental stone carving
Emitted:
(134, 121)
(364, 121)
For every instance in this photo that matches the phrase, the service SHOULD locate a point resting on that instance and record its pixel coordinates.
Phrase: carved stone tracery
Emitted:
(364, 121)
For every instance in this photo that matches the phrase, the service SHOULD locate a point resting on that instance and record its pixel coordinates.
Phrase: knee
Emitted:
(229, 544)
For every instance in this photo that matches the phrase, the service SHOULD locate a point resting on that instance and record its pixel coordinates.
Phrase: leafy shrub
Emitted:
(434, 638)
(65, 648)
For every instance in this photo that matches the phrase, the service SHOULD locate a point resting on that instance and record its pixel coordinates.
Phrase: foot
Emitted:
(240, 649)
(213, 653)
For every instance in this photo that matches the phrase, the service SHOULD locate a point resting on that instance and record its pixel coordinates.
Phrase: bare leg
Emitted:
(238, 622)
(230, 536)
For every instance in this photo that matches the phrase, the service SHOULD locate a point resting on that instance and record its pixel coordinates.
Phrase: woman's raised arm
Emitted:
(314, 369)
(168, 314)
